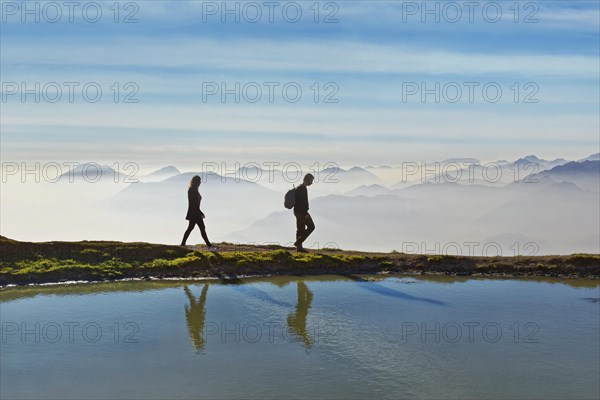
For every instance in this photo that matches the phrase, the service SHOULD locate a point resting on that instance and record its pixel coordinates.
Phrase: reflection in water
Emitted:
(194, 315)
(258, 294)
(297, 320)
(8, 294)
(385, 291)
(373, 356)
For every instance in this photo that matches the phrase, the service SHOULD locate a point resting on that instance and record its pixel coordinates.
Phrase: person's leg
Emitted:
(300, 227)
(310, 227)
(203, 232)
(187, 232)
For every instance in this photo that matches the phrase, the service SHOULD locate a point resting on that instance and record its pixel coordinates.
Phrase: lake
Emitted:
(303, 337)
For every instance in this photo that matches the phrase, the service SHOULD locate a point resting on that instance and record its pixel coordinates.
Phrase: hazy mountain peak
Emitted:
(333, 169)
(368, 190)
(587, 166)
(169, 169)
(187, 176)
(250, 168)
(593, 157)
(356, 169)
(462, 160)
(564, 185)
(529, 159)
(559, 160)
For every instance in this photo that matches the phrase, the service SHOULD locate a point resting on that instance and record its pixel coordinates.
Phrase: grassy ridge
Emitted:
(26, 262)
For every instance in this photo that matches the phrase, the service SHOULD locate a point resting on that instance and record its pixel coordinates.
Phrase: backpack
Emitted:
(290, 199)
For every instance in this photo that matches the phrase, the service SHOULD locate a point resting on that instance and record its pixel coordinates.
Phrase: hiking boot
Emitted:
(301, 249)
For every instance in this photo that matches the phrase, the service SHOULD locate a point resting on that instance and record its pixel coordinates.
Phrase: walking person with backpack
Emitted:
(304, 223)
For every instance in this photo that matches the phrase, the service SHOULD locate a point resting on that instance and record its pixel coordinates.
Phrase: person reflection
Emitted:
(297, 320)
(194, 315)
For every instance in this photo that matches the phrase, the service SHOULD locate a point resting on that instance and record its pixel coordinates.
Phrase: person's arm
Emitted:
(199, 199)
(194, 202)
(193, 199)
(301, 200)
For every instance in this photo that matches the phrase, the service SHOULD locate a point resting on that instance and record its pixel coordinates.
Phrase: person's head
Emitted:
(195, 182)
(308, 179)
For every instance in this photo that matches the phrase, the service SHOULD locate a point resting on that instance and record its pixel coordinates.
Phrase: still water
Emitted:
(303, 337)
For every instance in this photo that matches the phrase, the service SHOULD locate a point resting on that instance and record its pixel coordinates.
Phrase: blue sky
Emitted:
(372, 55)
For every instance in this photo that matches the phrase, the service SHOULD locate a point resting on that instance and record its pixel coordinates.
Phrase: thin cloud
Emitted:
(301, 56)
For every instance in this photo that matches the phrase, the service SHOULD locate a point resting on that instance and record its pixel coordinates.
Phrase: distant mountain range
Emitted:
(584, 174)
(229, 204)
(552, 217)
(543, 164)
(93, 172)
(556, 207)
(340, 180)
(550, 203)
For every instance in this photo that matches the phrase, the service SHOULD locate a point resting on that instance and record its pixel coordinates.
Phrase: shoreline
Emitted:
(374, 276)
(25, 263)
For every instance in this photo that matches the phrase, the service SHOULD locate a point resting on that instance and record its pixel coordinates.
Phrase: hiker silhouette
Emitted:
(304, 223)
(194, 215)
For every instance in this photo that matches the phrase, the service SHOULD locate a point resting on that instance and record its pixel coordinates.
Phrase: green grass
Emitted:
(97, 264)
(586, 256)
(60, 261)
